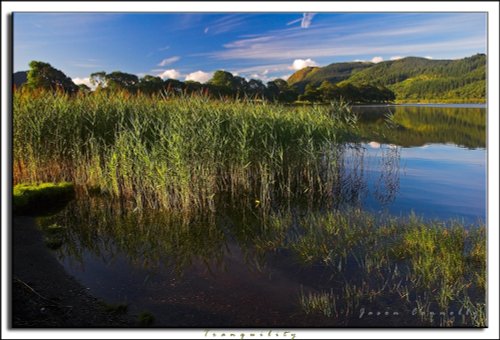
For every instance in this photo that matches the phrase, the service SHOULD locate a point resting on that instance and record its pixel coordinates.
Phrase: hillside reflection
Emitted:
(418, 125)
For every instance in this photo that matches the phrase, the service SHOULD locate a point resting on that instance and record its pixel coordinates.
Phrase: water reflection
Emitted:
(419, 125)
(253, 260)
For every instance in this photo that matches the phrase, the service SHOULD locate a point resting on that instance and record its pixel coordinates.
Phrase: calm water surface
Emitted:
(437, 155)
(430, 160)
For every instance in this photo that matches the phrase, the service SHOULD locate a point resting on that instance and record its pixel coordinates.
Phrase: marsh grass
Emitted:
(436, 267)
(319, 302)
(178, 153)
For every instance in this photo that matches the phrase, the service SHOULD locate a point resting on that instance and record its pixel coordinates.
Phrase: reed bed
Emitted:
(177, 152)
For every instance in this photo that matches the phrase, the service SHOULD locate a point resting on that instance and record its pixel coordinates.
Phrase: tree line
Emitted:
(222, 84)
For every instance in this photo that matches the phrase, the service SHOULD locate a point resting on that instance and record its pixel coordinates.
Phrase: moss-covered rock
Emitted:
(38, 198)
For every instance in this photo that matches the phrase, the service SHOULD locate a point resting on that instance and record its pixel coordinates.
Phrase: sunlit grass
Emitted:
(177, 153)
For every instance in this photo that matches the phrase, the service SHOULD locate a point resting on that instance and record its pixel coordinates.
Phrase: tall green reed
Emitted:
(178, 152)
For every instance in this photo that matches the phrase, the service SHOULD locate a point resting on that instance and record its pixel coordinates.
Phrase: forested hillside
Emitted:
(332, 73)
(411, 79)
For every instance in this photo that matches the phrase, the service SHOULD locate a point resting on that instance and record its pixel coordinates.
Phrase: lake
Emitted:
(439, 159)
(234, 270)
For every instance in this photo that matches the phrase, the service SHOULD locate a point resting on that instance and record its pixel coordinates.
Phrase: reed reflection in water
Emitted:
(244, 265)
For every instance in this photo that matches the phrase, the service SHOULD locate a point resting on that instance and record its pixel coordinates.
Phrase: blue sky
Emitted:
(253, 45)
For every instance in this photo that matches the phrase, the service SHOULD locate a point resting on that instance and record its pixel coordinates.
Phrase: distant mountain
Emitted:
(19, 78)
(333, 73)
(411, 79)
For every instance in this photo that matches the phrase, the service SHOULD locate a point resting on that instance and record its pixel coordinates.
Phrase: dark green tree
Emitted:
(329, 92)
(122, 81)
(150, 84)
(43, 76)
(256, 89)
(191, 86)
(239, 86)
(222, 83)
(311, 94)
(173, 86)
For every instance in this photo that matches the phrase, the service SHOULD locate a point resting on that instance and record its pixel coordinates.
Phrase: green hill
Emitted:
(411, 79)
(333, 73)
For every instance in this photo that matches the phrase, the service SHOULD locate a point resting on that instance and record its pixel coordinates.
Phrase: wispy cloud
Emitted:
(164, 48)
(65, 24)
(294, 21)
(396, 57)
(199, 76)
(264, 72)
(226, 23)
(249, 41)
(371, 37)
(168, 61)
(285, 76)
(307, 20)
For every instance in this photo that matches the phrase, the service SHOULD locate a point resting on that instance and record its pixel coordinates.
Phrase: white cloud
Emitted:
(206, 30)
(377, 60)
(164, 48)
(301, 63)
(168, 61)
(397, 57)
(85, 81)
(199, 76)
(428, 57)
(170, 74)
(307, 19)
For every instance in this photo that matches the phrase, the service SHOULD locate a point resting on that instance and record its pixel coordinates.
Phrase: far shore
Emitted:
(463, 105)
